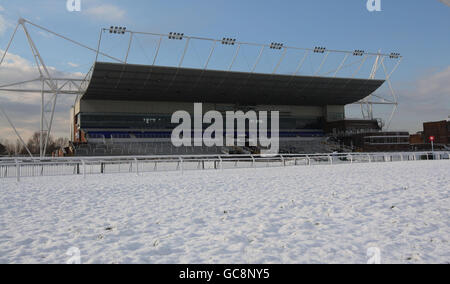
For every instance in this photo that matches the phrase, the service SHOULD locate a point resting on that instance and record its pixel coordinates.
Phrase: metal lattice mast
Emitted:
(49, 86)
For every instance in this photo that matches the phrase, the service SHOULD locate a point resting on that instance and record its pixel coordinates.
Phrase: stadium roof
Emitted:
(112, 81)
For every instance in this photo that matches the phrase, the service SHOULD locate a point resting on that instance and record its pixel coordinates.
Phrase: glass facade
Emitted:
(163, 122)
(109, 121)
(377, 140)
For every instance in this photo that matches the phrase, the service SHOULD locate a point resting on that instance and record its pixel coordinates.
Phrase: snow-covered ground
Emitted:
(318, 214)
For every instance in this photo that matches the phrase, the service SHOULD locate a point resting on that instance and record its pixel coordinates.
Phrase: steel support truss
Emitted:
(366, 104)
(48, 86)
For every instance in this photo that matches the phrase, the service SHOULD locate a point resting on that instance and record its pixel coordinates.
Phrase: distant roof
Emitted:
(112, 81)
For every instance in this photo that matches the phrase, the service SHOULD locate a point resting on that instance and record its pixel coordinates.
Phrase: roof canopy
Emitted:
(111, 81)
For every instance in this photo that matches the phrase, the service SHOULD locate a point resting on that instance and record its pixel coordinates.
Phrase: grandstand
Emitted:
(125, 102)
(126, 109)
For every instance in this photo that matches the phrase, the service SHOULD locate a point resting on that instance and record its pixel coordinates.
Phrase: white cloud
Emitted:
(71, 64)
(429, 92)
(428, 99)
(45, 34)
(3, 25)
(436, 84)
(447, 2)
(24, 108)
(106, 12)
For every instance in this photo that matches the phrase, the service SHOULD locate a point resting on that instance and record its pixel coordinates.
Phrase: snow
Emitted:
(317, 214)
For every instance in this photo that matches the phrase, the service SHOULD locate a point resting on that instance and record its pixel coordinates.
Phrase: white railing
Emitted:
(28, 167)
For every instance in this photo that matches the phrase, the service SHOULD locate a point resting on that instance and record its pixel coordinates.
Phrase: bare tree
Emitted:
(33, 144)
(3, 150)
(61, 142)
(9, 147)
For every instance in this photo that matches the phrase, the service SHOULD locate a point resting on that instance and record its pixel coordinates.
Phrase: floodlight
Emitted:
(117, 30)
(228, 41)
(358, 52)
(176, 36)
(276, 45)
(319, 49)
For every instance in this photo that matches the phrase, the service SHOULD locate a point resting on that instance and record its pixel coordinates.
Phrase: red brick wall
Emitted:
(416, 139)
(439, 130)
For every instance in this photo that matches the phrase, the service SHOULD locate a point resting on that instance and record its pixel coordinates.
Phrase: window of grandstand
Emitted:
(387, 140)
(163, 121)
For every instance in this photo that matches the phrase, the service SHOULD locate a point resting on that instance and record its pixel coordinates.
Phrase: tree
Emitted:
(61, 142)
(3, 150)
(6, 148)
(33, 143)
(53, 144)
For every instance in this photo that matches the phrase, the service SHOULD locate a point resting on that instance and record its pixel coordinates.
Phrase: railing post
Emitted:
(137, 166)
(56, 167)
(221, 163)
(17, 170)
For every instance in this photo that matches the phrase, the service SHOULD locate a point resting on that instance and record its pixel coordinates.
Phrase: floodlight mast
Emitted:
(367, 103)
(233, 42)
(49, 85)
(274, 45)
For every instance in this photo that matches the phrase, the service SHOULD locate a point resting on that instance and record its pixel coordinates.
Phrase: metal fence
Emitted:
(28, 167)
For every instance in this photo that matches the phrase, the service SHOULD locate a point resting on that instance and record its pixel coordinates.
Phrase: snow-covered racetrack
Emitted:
(318, 214)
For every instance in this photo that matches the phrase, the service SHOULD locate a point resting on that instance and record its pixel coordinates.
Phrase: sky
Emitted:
(419, 30)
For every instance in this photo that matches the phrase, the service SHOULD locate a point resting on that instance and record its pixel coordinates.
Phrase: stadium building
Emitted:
(127, 109)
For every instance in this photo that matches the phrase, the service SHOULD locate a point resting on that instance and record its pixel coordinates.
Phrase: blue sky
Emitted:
(419, 30)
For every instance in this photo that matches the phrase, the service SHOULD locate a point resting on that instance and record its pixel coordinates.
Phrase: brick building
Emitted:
(440, 130)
